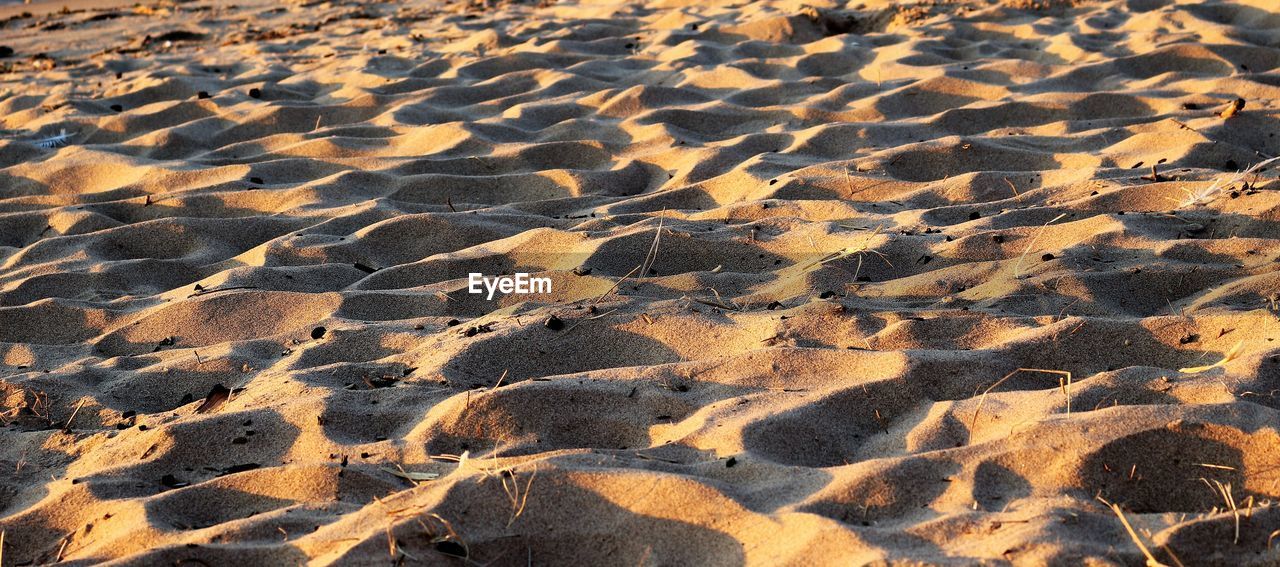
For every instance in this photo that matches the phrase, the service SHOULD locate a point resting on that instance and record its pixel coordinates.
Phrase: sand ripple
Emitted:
(791, 247)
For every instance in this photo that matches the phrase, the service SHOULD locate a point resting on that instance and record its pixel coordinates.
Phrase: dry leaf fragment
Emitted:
(1232, 109)
(1231, 355)
(218, 395)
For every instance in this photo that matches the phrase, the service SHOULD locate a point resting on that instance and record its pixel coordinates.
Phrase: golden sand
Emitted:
(940, 283)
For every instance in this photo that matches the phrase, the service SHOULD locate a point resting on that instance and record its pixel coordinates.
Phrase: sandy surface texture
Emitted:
(941, 283)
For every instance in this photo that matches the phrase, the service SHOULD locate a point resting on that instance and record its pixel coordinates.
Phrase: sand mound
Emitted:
(831, 283)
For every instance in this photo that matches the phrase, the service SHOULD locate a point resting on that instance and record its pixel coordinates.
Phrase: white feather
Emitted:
(56, 141)
(1197, 197)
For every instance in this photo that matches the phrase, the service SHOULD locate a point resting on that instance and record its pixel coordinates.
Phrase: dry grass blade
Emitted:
(649, 259)
(847, 252)
(721, 299)
(449, 535)
(67, 426)
(718, 302)
(39, 405)
(615, 285)
(1231, 355)
(1224, 490)
(592, 318)
(1151, 559)
(1013, 187)
(652, 256)
(1213, 466)
(411, 476)
(518, 497)
(391, 544)
(715, 303)
(1017, 268)
(1064, 383)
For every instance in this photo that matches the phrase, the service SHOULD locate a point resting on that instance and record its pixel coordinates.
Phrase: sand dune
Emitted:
(865, 283)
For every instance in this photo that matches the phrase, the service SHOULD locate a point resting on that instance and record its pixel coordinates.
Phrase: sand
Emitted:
(832, 283)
